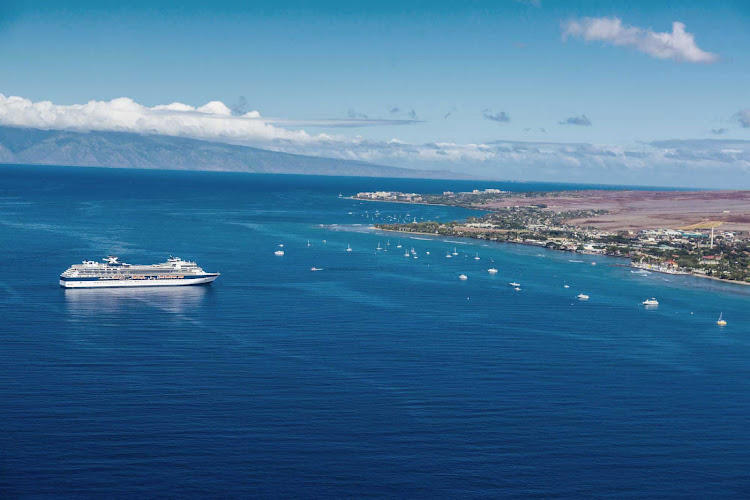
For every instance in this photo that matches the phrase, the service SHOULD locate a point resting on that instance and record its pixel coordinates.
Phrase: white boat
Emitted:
(308, 243)
(407, 254)
(492, 270)
(566, 286)
(721, 321)
(454, 251)
(582, 296)
(379, 247)
(428, 253)
(477, 257)
(279, 253)
(316, 269)
(650, 302)
(348, 248)
(399, 245)
(463, 277)
(518, 288)
(513, 283)
(448, 256)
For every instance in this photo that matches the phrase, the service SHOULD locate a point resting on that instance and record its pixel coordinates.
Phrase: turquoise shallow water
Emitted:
(380, 375)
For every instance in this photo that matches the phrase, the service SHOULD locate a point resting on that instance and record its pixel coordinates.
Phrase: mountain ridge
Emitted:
(29, 146)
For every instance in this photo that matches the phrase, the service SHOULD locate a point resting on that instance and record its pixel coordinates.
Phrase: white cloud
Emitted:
(212, 121)
(678, 45)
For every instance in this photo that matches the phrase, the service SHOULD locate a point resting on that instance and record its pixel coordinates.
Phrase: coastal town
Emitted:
(548, 219)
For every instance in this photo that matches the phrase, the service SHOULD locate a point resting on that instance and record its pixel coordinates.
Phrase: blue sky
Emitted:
(468, 60)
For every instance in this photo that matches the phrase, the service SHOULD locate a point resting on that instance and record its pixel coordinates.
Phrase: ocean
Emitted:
(380, 375)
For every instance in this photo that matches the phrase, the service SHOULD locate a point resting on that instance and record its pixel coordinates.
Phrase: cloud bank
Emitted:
(705, 162)
(212, 121)
(679, 45)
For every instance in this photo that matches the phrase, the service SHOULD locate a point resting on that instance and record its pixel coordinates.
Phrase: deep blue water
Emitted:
(379, 376)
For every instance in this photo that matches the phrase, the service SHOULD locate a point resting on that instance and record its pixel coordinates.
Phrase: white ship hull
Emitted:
(110, 283)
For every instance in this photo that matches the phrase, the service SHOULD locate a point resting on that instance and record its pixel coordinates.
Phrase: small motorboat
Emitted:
(513, 283)
(492, 270)
(650, 302)
(279, 253)
(316, 269)
(582, 296)
(463, 277)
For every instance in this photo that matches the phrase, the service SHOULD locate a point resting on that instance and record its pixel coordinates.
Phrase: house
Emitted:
(710, 260)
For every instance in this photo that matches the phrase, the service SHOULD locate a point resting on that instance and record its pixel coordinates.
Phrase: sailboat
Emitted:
(454, 251)
(308, 243)
(399, 245)
(477, 257)
(721, 321)
(379, 247)
(348, 248)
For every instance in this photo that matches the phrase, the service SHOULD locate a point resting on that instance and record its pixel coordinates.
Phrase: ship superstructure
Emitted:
(113, 273)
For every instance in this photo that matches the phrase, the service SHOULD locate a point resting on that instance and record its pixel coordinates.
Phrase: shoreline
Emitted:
(416, 203)
(694, 275)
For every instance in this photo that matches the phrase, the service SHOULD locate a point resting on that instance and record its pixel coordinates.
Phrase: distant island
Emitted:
(703, 233)
(28, 146)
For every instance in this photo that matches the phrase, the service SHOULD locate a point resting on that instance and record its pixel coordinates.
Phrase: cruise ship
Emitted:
(113, 273)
